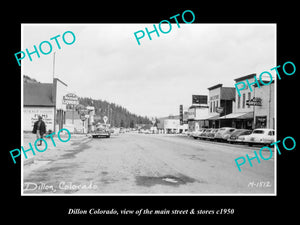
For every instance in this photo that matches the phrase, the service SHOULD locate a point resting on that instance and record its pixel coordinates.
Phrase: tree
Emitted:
(131, 124)
(122, 123)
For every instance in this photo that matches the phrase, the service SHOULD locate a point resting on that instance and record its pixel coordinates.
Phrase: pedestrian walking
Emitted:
(39, 128)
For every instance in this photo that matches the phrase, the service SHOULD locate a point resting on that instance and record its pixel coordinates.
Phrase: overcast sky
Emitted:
(154, 78)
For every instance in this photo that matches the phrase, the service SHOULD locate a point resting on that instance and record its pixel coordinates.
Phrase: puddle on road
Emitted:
(164, 180)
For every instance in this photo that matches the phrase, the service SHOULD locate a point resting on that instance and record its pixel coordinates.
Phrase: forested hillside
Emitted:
(118, 115)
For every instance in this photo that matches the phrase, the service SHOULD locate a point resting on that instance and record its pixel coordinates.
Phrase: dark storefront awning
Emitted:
(242, 116)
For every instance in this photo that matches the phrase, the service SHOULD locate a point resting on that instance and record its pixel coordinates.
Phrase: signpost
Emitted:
(105, 118)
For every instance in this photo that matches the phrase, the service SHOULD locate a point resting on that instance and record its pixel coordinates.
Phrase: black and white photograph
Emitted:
(171, 108)
(149, 111)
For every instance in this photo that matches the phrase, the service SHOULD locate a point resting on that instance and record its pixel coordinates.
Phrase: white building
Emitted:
(44, 99)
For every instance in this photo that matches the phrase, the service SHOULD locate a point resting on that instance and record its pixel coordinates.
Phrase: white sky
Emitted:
(154, 78)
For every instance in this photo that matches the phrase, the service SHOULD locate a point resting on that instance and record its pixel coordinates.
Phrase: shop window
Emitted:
(261, 122)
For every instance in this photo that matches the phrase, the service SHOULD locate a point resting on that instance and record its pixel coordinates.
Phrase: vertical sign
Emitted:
(181, 114)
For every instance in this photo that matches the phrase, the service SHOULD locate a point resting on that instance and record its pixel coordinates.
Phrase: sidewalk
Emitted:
(52, 152)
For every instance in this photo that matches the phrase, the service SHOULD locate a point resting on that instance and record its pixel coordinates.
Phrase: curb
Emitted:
(28, 161)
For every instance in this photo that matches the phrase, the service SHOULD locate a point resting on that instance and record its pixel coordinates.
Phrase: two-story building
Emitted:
(242, 114)
(253, 109)
(220, 104)
(197, 115)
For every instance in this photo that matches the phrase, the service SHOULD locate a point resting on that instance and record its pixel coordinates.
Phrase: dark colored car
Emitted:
(233, 138)
(211, 134)
(101, 132)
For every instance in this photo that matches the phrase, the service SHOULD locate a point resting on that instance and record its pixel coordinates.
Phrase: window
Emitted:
(239, 101)
(211, 106)
(258, 132)
(271, 133)
(249, 97)
(244, 100)
(214, 107)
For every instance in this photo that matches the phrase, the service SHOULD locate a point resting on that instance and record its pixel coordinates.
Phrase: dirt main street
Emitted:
(134, 163)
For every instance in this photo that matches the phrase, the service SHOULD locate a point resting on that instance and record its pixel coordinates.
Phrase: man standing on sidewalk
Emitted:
(39, 128)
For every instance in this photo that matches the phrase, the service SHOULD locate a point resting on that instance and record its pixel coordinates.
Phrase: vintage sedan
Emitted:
(204, 134)
(224, 133)
(211, 134)
(233, 138)
(261, 136)
(101, 132)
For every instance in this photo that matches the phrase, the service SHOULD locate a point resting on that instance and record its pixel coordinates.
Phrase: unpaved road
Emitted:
(150, 164)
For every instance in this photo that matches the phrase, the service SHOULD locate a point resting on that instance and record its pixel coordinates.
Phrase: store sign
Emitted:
(30, 116)
(181, 114)
(254, 101)
(70, 99)
(219, 109)
(199, 99)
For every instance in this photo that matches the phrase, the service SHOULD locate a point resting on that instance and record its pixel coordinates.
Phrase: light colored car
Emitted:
(200, 132)
(195, 134)
(259, 136)
(224, 133)
(204, 134)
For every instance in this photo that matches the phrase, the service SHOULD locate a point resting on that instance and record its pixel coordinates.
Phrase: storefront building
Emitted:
(264, 112)
(242, 114)
(221, 101)
(252, 109)
(196, 117)
(44, 99)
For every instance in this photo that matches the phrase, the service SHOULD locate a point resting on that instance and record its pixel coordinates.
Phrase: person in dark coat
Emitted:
(39, 128)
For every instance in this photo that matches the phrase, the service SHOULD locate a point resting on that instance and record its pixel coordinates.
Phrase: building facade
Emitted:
(221, 101)
(44, 99)
(264, 113)
(196, 117)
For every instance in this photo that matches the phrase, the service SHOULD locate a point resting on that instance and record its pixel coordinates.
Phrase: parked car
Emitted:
(224, 133)
(233, 138)
(199, 133)
(211, 134)
(195, 134)
(101, 132)
(259, 136)
(204, 134)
